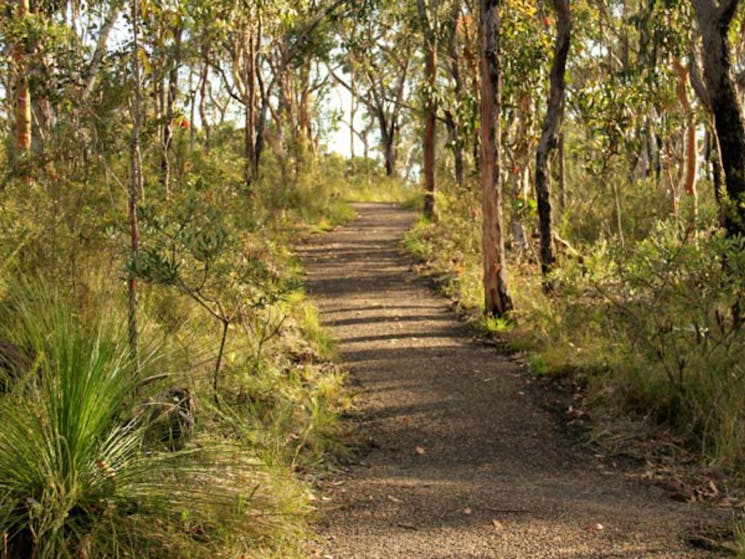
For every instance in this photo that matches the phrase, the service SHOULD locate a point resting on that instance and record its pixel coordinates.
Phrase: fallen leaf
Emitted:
(393, 499)
(467, 510)
(420, 450)
(498, 526)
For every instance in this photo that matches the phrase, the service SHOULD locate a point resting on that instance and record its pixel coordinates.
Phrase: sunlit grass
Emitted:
(645, 329)
(78, 477)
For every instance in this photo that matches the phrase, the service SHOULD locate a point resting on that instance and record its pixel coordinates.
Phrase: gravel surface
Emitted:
(463, 462)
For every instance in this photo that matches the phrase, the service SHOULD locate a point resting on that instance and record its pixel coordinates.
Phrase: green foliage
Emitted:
(668, 305)
(209, 249)
(451, 246)
(76, 476)
(649, 324)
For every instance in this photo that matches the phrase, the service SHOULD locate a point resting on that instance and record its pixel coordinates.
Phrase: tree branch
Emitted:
(697, 82)
(100, 52)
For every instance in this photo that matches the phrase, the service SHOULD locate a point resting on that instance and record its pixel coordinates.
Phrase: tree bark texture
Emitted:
(691, 152)
(714, 23)
(455, 73)
(135, 185)
(389, 142)
(496, 299)
(22, 103)
(430, 127)
(549, 133)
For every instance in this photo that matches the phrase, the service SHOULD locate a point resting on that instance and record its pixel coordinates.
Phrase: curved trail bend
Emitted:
(464, 463)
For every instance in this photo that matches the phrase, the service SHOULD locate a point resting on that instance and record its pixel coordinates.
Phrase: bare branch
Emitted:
(100, 52)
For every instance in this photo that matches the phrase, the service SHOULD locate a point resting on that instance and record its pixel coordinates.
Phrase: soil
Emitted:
(463, 460)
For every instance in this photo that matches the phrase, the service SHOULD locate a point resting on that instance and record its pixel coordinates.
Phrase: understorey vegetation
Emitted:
(166, 388)
(204, 438)
(596, 222)
(646, 327)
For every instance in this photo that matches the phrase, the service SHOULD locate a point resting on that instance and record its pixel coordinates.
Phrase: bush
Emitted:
(648, 325)
(669, 305)
(76, 477)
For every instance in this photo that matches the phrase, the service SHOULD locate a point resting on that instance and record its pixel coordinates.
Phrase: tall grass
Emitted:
(76, 477)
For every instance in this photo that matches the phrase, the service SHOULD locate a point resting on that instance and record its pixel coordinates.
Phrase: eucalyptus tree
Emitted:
(377, 47)
(456, 37)
(549, 134)
(497, 302)
(429, 20)
(270, 49)
(22, 94)
(525, 38)
(714, 21)
(627, 129)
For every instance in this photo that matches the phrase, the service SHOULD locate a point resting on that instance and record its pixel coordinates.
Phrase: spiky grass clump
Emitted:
(76, 479)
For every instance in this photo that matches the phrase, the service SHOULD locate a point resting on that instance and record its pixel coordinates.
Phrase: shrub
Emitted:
(76, 477)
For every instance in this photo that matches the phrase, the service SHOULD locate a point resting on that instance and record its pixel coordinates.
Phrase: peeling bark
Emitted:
(22, 105)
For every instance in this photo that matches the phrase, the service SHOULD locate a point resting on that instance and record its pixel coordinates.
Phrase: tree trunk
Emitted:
(249, 106)
(430, 129)
(691, 153)
(305, 121)
(388, 140)
(192, 109)
(714, 22)
(101, 47)
(352, 113)
(455, 72)
(22, 93)
(135, 185)
(174, 63)
(203, 83)
(562, 175)
(389, 153)
(459, 168)
(259, 140)
(430, 137)
(496, 300)
(549, 134)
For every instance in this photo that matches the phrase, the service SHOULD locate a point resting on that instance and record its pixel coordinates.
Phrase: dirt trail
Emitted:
(464, 462)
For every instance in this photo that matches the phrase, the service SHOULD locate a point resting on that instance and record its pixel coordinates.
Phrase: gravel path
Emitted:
(464, 463)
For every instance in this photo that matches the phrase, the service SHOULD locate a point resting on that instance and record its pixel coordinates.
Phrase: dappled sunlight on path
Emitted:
(464, 463)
